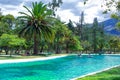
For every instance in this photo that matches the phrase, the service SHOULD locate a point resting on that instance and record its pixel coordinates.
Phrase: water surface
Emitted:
(64, 68)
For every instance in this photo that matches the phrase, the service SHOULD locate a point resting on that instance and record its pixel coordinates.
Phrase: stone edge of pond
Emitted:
(30, 60)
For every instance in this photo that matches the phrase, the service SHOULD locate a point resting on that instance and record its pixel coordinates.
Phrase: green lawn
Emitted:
(17, 57)
(112, 74)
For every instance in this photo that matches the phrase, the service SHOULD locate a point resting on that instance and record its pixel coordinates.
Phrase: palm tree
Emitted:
(37, 23)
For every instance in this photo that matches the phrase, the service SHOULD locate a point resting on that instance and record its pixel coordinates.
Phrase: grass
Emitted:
(112, 74)
(17, 57)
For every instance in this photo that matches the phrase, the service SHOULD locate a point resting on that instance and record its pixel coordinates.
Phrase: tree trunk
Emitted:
(94, 41)
(11, 52)
(35, 44)
(101, 49)
(67, 45)
(41, 50)
(6, 50)
(57, 47)
(114, 50)
(86, 51)
(110, 50)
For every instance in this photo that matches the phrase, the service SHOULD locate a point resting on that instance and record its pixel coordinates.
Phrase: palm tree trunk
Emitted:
(57, 47)
(35, 45)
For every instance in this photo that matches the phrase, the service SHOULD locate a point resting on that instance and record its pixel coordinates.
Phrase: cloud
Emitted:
(11, 2)
(65, 15)
(28, 2)
(93, 9)
(70, 1)
(12, 9)
(70, 9)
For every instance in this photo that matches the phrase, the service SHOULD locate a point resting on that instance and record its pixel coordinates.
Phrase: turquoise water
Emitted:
(57, 69)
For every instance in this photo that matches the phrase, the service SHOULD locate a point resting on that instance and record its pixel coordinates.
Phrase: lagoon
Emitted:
(64, 68)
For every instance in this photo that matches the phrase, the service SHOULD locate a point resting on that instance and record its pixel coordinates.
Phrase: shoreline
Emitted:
(30, 60)
(93, 73)
(99, 54)
(41, 58)
(99, 70)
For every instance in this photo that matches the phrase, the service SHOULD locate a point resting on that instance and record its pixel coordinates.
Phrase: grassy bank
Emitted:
(112, 74)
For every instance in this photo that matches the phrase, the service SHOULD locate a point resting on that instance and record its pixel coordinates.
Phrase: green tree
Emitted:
(6, 23)
(71, 26)
(94, 32)
(37, 23)
(0, 12)
(114, 44)
(9, 19)
(4, 28)
(118, 26)
(60, 30)
(74, 44)
(86, 45)
(54, 5)
(101, 38)
(8, 42)
(80, 26)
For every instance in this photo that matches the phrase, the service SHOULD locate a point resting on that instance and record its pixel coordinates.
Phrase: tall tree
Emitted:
(9, 19)
(6, 23)
(4, 28)
(101, 38)
(0, 12)
(95, 27)
(71, 26)
(60, 30)
(54, 5)
(80, 26)
(37, 23)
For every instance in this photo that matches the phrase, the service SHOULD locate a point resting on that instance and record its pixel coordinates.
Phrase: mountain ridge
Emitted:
(109, 27)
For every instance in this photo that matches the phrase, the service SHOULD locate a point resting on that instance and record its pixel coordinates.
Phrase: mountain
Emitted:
(109, 27)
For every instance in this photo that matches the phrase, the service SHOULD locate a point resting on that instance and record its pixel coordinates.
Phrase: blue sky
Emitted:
(70, 9)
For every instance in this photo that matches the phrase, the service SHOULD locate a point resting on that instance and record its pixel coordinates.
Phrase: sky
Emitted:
(70, 9)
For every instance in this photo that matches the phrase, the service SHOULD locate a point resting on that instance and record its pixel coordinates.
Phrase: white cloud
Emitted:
(70, 1)
(92, 9)
(14, 11)
(65, 15)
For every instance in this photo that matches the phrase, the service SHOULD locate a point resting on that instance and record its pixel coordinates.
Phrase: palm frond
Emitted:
(29, 10)
(24, 17)
(23, 13)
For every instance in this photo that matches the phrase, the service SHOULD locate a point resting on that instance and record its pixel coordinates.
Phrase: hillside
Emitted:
(109, 27)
